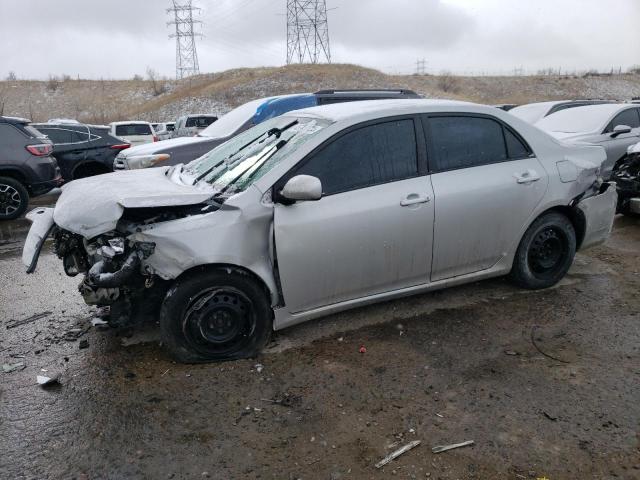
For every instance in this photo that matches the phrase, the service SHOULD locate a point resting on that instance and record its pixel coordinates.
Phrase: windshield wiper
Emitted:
(274, 131)
(255, 166)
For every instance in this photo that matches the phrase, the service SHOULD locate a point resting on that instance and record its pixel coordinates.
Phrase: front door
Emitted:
(371, 232)
(486, 184)
(616, 146)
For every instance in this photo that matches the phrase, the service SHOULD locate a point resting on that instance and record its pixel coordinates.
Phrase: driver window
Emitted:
(365, 157)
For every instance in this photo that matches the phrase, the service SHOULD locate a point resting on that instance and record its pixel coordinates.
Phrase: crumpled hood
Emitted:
(94, 205)
(152, 148)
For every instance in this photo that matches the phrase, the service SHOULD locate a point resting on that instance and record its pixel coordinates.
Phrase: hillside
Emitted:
(101, 101)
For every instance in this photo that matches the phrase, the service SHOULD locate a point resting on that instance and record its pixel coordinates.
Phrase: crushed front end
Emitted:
(627, 178)
(114, 274)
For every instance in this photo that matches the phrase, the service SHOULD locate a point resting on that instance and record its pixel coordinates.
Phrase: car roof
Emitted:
(604, 109)
(14, 120)
(131, 122)
(343, 111)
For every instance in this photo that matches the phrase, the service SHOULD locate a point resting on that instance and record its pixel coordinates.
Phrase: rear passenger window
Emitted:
(369, 156)
(58, 135)
(463, 142)
(515, 148)
(133, 129)
(629, 118)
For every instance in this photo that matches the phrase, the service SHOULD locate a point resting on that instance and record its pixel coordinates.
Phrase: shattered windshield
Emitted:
(237, 163)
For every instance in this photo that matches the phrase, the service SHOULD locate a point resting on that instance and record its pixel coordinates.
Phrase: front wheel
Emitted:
(215, 315)
(14, 198)
(545, 253)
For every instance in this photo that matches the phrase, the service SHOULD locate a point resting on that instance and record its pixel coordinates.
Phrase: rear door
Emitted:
(372, 230)
(486, 183)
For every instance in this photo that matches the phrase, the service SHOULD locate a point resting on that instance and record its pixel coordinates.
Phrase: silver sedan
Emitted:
(613, 126)
(326, 209)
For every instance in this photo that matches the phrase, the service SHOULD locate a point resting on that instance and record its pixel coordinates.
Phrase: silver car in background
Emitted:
(325, 209)
(191, 125)
(614, 126)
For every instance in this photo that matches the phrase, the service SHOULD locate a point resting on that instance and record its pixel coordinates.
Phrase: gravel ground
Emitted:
(547, 384)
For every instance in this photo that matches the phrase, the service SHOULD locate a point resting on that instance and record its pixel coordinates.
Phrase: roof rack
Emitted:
(381, 91)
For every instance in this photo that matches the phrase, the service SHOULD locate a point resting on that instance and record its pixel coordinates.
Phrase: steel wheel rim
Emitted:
(547, 251)
(10, 200)
(219, 321)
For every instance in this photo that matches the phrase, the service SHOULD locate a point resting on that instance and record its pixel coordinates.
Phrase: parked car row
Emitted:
(184, 150)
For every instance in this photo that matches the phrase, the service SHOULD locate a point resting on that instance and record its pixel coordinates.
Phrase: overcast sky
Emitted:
(118, 38)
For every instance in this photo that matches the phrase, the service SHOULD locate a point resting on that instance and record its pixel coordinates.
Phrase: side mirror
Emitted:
(302, 188)
(620, 129)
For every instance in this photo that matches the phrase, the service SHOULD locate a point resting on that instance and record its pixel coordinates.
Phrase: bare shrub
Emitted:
(66, 78)
(158, 85)
(448, 82)
(12, 77)
(635, 69)
(137, 78)
(53, 83)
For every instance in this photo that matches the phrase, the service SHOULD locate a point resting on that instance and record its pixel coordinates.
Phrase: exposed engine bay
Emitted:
(627, 178)
(114, 276)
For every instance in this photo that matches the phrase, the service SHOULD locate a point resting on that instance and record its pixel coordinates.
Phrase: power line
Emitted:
(186, 53)
(307, 31)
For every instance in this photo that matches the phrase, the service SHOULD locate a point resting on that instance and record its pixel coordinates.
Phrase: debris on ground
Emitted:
(533, 342)
(553, 418)
(511, 352)
(444, 448)
(84, 343)
(259, 367)
(363, 349)
(8, 368)
(46, 381)
(98, 322)
(395, 454)
(30, 319)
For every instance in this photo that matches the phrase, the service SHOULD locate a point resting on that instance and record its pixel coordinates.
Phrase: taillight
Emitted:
(155, 139)
(40, 150)
(121, 146)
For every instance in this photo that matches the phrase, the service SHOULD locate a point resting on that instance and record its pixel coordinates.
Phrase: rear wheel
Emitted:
(14, 198)
(545, 253)
(215, 315)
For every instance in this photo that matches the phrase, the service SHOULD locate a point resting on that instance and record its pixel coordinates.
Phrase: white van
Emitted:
(135, 133)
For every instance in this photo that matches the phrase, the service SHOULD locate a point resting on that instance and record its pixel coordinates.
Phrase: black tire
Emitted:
(215, 315)
(14, 198)
(545, 253)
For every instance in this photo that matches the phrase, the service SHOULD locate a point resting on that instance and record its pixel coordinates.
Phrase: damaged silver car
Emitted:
(322, 210)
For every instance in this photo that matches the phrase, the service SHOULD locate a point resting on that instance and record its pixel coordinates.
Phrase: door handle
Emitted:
(527, 177)
(414, 199)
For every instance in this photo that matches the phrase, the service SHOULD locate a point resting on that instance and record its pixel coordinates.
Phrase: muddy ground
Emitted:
(547, 384)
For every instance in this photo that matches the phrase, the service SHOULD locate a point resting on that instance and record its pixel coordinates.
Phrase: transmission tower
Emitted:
(186, 53)
(421, 67)
(307, 32)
